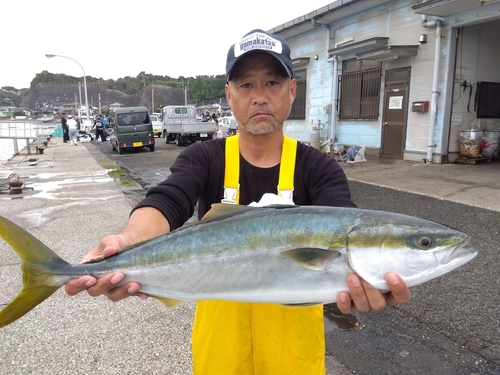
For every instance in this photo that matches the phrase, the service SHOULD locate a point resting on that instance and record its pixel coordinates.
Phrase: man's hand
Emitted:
(106, 285)
(143, 224)
(364, 297)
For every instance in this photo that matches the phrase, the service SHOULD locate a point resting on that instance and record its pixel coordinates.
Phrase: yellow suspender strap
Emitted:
(287, 168)
(232, 170)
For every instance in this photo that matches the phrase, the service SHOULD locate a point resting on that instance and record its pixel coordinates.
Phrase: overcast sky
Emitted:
(119, 38)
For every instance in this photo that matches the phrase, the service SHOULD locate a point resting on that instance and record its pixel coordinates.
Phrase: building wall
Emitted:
(397, 21)
(318, 84)
(475, 57)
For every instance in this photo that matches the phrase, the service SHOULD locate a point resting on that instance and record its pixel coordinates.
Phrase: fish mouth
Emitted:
(461, 254)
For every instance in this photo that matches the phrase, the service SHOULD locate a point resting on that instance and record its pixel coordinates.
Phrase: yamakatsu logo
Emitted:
(257, 41)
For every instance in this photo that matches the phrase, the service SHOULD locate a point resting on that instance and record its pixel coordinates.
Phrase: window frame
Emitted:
(359, 92)
(298, 108)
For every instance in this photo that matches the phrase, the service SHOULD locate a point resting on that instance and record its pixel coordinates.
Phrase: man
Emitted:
(64, 124)
(240, 338)
(99, 129)
(206, 117)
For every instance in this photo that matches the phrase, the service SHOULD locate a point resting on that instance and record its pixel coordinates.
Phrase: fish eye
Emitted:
(424, 242)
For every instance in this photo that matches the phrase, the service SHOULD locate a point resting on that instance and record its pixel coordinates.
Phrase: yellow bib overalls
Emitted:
(251, 338)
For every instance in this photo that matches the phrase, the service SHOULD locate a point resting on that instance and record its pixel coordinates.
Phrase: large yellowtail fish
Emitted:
(292, 255)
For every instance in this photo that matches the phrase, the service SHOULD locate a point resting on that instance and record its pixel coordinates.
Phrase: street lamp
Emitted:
(49, 55)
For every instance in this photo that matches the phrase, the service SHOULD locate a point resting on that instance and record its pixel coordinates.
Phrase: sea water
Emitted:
(13, 129)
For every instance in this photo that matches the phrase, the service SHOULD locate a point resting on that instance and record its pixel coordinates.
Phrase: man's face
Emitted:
(260, 94)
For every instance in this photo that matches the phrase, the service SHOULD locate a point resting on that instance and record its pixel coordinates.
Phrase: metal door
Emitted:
(394, 117)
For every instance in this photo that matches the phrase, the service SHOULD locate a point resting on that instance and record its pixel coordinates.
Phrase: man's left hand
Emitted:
(364, 297)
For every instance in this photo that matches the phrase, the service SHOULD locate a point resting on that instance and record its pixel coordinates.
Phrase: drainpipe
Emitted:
(335, 99)
(438, 24)
(333, 118)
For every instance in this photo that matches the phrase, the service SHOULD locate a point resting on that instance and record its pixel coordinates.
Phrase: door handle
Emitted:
(385, 123)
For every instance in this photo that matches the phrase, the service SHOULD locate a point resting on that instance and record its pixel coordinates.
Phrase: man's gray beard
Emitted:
(261, 131)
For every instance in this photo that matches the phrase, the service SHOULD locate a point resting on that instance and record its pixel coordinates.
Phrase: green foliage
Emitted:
(9, 96)
(200, 89)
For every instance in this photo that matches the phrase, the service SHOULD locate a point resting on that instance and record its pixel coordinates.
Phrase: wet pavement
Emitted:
(450, 327)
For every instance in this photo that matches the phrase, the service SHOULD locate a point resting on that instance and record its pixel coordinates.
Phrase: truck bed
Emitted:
(190, 127)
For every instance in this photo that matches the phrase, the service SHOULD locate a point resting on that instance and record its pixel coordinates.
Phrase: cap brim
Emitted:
(231, 68)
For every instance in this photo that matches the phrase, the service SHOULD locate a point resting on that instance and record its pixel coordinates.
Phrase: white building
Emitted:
(401, 77)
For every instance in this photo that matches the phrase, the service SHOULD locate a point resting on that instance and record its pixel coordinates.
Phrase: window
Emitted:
(298, 111)
(180, 110)
(360, 90)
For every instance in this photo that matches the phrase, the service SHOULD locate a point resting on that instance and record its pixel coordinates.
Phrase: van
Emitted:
(132, 128)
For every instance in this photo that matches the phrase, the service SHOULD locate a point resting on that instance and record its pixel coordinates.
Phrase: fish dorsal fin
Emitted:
(219, 210)
(312, 258)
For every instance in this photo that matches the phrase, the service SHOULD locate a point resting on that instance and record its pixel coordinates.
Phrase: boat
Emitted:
(46, 118)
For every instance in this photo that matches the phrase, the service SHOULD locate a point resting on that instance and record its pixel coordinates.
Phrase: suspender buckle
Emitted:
(286, 194)
(230, 195)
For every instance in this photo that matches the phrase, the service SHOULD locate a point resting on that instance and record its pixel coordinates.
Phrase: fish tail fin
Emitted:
(38, 266)
(26, 300)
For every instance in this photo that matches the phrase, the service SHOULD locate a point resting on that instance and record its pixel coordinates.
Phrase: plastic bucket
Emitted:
(58, 131)
(470, 143)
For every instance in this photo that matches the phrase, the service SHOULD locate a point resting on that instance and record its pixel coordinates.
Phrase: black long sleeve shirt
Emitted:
(198, 177)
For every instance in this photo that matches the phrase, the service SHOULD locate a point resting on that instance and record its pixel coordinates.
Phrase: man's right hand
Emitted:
(107, 284)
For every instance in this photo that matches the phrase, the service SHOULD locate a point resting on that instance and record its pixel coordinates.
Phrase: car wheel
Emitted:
(167, 140)
(178, 140)
(120, 150)
(152, 148)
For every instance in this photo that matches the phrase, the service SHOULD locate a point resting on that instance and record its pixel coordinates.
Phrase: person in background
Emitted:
(214, 118)
(233, 125)
(99, 133)
(64, 124)
(233, 337)
(72, 130)
(104, 122)
(206, 117)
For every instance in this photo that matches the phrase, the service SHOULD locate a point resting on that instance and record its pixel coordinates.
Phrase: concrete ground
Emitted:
(70, 202)
(475, 185)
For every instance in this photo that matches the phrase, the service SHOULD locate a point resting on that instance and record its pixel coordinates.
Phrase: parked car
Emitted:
(132, 128)
(157, 124)
(224, 125)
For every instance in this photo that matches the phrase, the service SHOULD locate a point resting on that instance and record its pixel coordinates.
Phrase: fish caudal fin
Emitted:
(26, 300)
(38, 264)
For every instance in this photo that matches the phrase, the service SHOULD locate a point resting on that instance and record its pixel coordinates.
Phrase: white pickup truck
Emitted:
(181, 126)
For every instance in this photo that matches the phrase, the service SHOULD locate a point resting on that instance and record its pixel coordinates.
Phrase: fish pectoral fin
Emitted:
(307, 304)
(168, 302)
(312, 258)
